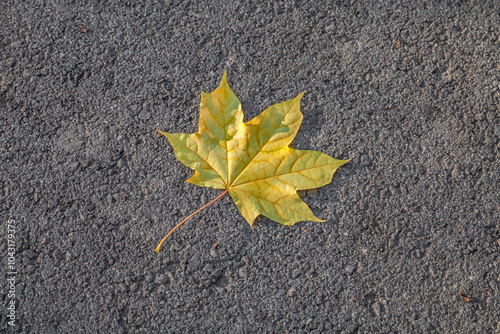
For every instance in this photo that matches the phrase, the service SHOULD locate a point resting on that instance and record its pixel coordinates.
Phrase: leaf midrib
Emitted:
(225, 131)
(269, 177)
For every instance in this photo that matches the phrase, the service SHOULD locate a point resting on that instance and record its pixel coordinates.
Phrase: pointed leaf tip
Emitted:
(345, 161)
(223, 81)
(163, 133)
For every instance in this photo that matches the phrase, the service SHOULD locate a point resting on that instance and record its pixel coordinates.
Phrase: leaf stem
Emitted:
(157, 250)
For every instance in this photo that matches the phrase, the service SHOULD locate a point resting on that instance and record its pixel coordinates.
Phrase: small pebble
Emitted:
(145, 115)
(161, 279)
(376, 309)
(349, 269)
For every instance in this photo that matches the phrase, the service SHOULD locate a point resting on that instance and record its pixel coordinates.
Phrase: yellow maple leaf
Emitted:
(252, 161)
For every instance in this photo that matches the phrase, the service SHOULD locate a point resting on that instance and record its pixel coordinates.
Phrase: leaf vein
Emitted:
(240, 184)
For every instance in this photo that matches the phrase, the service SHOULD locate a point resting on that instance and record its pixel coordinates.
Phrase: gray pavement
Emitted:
(409, 90)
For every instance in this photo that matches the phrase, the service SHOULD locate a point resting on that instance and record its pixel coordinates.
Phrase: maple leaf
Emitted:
(252, 161)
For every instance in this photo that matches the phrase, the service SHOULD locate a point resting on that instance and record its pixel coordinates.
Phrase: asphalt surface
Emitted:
(409, 90)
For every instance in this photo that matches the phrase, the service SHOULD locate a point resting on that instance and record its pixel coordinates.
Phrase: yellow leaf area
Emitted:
(252, 160)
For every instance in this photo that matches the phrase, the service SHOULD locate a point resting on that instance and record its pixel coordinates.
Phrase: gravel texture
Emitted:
(409, 90)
